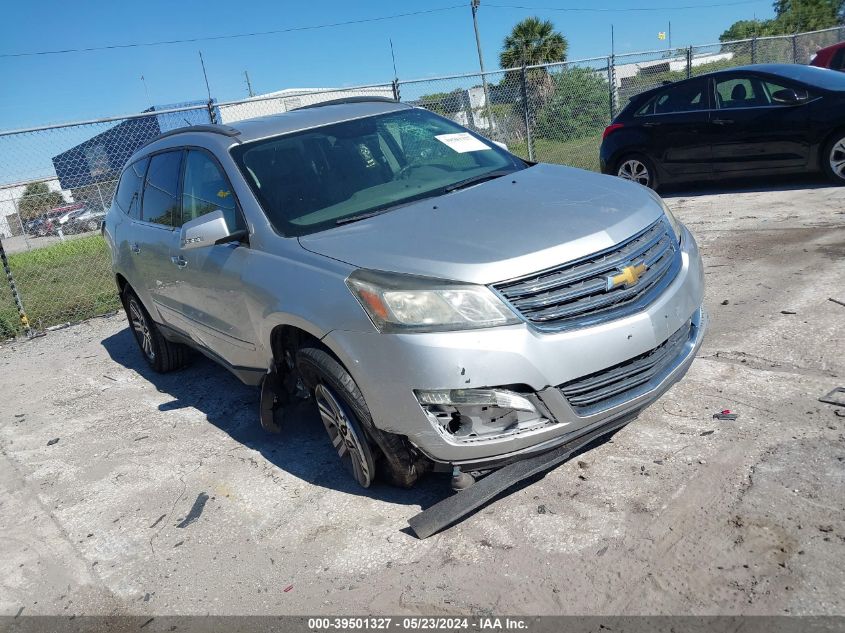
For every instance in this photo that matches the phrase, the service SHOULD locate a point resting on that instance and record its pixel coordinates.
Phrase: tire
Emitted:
(833, 158)
(377, 452)
(161, 355)
(637, 168)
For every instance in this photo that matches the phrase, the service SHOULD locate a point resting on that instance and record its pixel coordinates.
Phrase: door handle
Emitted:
(651, 124)
(179, 260)
(722, 121)
(134, 247)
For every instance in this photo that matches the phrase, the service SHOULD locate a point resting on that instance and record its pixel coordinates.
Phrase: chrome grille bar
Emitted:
(588, 393)
(576, 294)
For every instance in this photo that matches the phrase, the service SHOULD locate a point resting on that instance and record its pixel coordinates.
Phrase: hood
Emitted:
(533, 219)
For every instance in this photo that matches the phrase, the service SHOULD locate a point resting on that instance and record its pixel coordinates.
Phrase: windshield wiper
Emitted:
(360, 216)
(461, 184)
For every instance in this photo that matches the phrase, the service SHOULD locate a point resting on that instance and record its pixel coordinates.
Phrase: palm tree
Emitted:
(533, 41)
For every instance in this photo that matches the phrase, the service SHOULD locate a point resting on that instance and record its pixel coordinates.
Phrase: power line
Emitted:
(232, 36)
(629, 9)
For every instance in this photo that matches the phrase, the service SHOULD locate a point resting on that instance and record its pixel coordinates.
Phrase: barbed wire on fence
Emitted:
(58, 180)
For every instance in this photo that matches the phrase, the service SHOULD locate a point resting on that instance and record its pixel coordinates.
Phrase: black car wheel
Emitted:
(637, 168)
(833, 158)
(162, 355)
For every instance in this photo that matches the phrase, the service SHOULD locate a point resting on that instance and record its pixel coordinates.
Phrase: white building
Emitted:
(292, 98)
(626, 75)
(10, 196)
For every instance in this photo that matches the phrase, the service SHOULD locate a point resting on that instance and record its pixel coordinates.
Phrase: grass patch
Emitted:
(582, 152)
(70, 281)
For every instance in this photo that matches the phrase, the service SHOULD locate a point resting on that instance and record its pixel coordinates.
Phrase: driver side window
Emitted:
(206, 189)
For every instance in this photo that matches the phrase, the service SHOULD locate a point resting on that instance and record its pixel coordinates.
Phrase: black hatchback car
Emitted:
(749, 120)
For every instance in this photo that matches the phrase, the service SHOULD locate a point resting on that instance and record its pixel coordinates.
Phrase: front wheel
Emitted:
(833, 159)
(362, 447)
(638, 168)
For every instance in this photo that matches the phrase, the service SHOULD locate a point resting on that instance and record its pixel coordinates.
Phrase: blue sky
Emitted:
(55, 88)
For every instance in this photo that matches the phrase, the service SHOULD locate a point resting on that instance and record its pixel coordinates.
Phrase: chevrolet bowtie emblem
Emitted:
(628, 276)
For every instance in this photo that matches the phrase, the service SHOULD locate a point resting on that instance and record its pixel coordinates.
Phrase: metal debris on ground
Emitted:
(725, 414)
(842, 303)
(55, 440)
(830, 398)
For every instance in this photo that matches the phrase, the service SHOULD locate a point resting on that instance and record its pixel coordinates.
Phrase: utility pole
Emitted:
(474, 5)
(211, 114)
(248, 85)
(146, 90)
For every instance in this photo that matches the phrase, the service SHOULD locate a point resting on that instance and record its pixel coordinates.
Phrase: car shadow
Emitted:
(747, 185)
(301, 449)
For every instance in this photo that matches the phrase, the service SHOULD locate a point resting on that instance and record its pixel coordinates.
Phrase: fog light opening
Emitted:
(469, 415)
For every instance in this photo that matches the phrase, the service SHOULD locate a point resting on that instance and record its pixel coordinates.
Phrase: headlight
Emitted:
(677, 227)
(405, 303)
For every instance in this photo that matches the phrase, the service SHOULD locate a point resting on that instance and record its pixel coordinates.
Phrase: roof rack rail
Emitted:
(356, 99)
(225, 130)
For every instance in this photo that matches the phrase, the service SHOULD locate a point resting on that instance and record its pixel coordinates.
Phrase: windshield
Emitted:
(312, 180)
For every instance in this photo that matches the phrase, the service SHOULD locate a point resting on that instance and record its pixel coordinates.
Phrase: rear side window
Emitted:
(128, 196)
(206, 189)
(686, 97)
(161, 200)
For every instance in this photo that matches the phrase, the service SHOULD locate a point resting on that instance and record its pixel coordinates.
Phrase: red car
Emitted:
(832, 57)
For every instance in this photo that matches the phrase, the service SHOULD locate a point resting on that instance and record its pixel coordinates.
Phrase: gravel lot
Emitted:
(678, 513)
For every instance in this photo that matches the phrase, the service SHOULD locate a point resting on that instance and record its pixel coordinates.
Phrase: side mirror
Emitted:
(502, 145)
(787, 96)
(207, 230)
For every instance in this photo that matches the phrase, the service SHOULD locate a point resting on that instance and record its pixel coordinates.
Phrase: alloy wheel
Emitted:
(837, 158)
(141, 328)
(346, 436)
(635, 170)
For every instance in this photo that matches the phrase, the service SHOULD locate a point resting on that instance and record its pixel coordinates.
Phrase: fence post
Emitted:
(689, 62)
(395, 85)
(611, 85)
(100, 194)
(524, 86)
(794, 49)
(212, 116)
(753, 50)
(14, 289)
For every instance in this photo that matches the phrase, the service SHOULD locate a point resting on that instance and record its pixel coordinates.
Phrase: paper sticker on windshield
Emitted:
(462, 142)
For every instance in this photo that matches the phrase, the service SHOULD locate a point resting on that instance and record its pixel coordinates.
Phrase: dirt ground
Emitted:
(163, 496)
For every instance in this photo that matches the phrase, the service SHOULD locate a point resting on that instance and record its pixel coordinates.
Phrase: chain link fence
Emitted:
(58, 181)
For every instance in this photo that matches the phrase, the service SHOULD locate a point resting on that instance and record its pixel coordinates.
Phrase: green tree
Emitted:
(533, 41)
(744, 30)
(37, 198)
(578, 107)
(791, 16)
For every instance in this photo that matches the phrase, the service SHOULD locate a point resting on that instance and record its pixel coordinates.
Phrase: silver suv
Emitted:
(445, 303)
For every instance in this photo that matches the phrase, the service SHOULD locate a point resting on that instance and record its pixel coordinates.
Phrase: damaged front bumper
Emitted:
(575, 381)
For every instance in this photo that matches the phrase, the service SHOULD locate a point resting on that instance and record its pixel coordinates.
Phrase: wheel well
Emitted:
(121, 283)
(826, 141)
(289, 338)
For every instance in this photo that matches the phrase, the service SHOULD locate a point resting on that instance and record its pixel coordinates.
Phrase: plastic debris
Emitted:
(725, 414)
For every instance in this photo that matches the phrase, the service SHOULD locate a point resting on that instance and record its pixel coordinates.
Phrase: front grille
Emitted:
(608, 387)
(576, 294)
